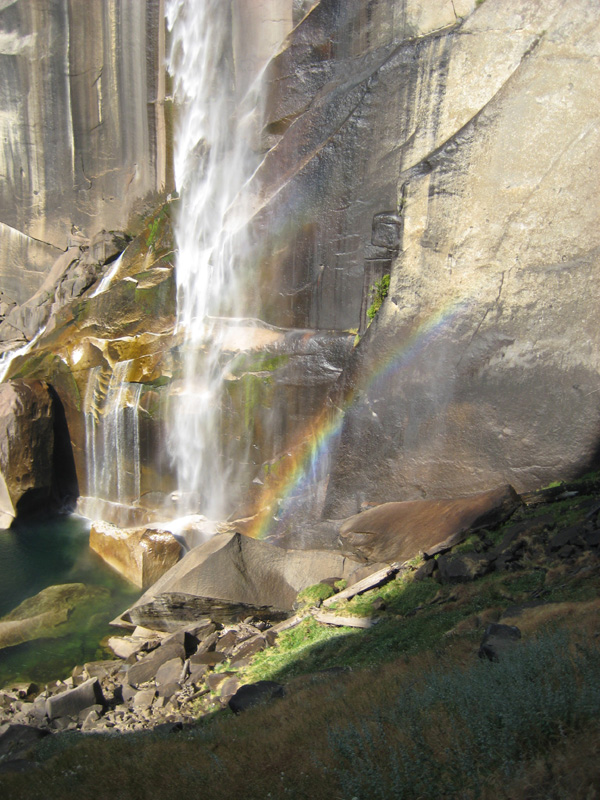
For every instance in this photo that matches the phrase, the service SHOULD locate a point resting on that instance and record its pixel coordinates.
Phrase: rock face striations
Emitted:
(474, 135)
(84, 129)
(448, 147)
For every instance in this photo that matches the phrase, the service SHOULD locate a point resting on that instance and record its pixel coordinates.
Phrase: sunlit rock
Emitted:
(142, 555)
(36, 463)
(74, 150)
(236, 575)
(399, 531)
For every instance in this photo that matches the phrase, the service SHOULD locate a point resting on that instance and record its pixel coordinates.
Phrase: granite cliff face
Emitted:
(458, 149)
(453, 146)
(84, 133)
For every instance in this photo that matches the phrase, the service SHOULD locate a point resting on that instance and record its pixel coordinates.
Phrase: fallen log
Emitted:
(346, 622)
(370, 582)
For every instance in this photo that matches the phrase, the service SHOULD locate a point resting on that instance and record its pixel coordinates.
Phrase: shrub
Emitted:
(447, 738)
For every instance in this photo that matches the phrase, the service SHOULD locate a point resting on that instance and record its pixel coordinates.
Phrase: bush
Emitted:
(449, 737)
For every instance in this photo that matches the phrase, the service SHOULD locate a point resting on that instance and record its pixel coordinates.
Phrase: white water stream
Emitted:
(112, 436)
(218, 121)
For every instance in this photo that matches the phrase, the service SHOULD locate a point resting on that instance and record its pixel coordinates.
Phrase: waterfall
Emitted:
(112, 437)
(218, 122)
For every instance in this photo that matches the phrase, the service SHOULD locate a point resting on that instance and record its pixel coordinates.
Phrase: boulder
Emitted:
(36, 463)
(232, 577)
(46, 614)
(253, 694)
(169, 672)
(497, 640)
(142, 555)
(399, 531)
(72, 701)
(462, 568)
(146, 669)
(17, 740)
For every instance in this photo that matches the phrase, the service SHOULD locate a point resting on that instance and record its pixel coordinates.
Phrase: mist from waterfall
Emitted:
(218, 122)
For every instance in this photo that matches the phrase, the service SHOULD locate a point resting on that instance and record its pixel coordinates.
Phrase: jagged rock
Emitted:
(396, 532)
(573, 535)
(168, 690)
(90, 722)
(17, 740)
(253, 694)
(197, 672)
(46, 614)
(210, 659)
(497, 640)
(250, 647)
(142, 555)
(232, 576)
(72, 701)
(147, 668)
(463, 567)
(228, 641)
(188, 640)
(426, 570)
(36, 463)
(125, 646)
(169, 672)
(103, 669)
(143, 700)
(215, 679)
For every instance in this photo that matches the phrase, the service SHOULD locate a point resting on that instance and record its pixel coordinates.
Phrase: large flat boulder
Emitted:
(232, 576)
(141, 555)
(398, 531)
(46, 614)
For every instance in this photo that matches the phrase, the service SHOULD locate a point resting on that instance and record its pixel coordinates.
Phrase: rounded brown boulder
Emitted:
(36, 463)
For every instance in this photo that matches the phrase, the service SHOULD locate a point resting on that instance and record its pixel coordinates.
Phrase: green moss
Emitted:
(314, 594)
(263, 362)
(379, 292)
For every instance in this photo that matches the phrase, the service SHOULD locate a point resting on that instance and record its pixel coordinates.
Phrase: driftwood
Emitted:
(328, 618)
(370, 582)
(287, 624)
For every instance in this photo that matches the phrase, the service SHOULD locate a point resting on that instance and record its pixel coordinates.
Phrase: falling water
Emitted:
(218, 122)
(107, 279)
(112, 436)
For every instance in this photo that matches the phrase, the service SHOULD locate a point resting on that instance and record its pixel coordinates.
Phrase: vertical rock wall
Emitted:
(82, 124)
(456, 146)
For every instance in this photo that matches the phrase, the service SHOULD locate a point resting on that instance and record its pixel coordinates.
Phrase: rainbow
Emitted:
(313, 445)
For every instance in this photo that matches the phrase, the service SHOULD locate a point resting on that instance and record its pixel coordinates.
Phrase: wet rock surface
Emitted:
(36, 463)
(142, 555)
(46, 614)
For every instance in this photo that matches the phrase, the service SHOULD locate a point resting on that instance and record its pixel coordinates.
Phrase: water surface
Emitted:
(39, 554)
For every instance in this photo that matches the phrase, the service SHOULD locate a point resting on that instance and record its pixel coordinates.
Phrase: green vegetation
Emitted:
(446, 737)
(519, 728)
(379, 292)
(313, 595)
(402, 709)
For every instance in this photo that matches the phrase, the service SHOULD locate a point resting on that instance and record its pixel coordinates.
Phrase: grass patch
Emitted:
(313, 595)
(420, 727)
(447, 738)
